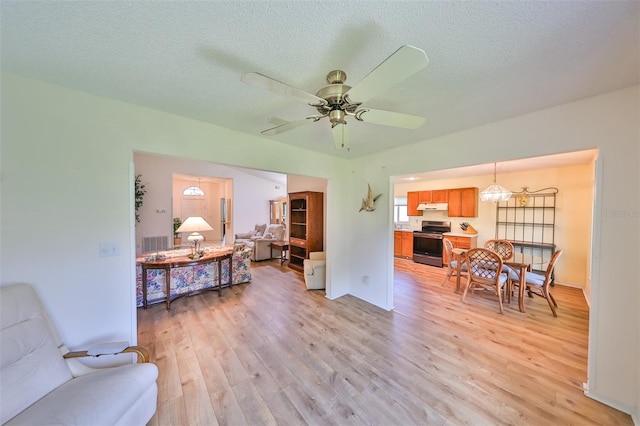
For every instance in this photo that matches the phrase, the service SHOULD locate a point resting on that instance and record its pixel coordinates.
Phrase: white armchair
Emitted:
(315, 271)
(41, 382)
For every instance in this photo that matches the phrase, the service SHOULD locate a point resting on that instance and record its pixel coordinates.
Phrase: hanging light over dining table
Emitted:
(495, 193)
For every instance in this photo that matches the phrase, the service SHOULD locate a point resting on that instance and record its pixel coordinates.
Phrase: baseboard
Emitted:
(570, 285)
(615, 404)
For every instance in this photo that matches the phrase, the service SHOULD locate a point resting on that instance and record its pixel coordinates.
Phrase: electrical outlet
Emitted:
(365, 279)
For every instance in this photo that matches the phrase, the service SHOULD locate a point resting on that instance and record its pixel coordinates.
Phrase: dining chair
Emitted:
(539, 284)
(452, 262)
(485, 272)
(504, 248)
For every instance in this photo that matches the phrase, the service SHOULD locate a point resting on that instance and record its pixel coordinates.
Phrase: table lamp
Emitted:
(195, 224)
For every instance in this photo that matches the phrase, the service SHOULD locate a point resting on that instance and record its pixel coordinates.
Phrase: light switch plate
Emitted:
(109, 249)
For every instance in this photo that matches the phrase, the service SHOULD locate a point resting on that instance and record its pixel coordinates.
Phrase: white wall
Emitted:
(609, 122)
(67, 185)
(249, 199)
(573, 211)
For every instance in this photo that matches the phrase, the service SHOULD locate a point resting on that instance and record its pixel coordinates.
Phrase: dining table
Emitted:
(519, 263)
(459, 254)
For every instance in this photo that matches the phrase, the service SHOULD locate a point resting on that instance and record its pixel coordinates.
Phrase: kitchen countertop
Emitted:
(403, 230)
(459, 234)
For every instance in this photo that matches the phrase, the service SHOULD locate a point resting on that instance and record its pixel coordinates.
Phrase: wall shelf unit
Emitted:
(528, 220)
(305, 226)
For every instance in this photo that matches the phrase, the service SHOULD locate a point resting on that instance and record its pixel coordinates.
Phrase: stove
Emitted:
(427, 243)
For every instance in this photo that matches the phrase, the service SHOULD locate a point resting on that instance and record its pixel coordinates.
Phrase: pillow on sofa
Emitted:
(260, 229)
(277, 232)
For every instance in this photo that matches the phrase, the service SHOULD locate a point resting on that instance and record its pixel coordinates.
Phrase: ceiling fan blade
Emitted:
(276, 121)
(275, 86)
(390, 118)
(340, 136)
(289, 125)
(402, 64)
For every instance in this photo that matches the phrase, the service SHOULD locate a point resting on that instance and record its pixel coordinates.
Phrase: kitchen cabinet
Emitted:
(412, 204)
(403, 244)
(421, 197)
(433, 196)
(460, 241)
(463, 202)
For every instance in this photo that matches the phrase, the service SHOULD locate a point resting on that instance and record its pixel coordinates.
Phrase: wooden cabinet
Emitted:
(433, 196)
(463, 202)
(424, 196)
(412, 204)
(306, 224)
(462, 242)
(407, 245)
(397, 243)
(403, 244)
(419, 197)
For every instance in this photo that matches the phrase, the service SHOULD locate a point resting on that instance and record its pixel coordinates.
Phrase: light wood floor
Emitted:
(271, 352)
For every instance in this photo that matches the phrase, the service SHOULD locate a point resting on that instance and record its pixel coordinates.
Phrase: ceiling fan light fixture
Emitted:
(336, 116)
(495, 193)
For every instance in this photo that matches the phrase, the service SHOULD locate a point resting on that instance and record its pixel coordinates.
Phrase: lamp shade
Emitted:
(495, 193)
(194, 224)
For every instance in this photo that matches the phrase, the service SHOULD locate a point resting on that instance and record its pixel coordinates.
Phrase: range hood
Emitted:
(433, 206)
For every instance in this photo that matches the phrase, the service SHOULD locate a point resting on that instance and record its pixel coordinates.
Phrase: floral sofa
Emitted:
(192, 278)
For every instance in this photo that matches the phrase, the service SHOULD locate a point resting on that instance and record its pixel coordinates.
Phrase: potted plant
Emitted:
(176, 238)
(139, 195)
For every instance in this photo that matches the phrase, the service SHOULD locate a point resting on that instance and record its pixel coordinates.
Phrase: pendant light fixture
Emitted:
(495, 193)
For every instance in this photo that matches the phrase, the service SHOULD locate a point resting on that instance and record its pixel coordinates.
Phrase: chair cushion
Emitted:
(503, 278)
(116, 389)
(245, 235)
(535, 279)
(454, 265)
(511, 272)
(30, 363)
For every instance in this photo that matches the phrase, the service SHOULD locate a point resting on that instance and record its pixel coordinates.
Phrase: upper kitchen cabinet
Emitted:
(433, 196)
(463, 202)
(412, 204)
(416, 198)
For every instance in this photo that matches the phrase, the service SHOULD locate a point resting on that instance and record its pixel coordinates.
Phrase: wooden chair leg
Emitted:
(498, 293)
(449, 274)
(464, 293)
(547, 296)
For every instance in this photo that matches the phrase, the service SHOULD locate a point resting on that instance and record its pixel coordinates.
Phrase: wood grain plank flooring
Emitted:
(270, 352)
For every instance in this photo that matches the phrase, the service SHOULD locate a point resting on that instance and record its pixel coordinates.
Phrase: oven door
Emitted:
(427, 249)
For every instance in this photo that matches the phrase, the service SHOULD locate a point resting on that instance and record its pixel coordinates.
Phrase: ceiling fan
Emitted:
(338, 100)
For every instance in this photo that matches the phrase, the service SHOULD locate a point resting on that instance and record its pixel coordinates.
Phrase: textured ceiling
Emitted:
(488, 60)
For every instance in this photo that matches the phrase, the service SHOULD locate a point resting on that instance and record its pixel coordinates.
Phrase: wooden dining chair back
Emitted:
(452, 262)
(504, 248)
(540, 285)
(485, 271)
